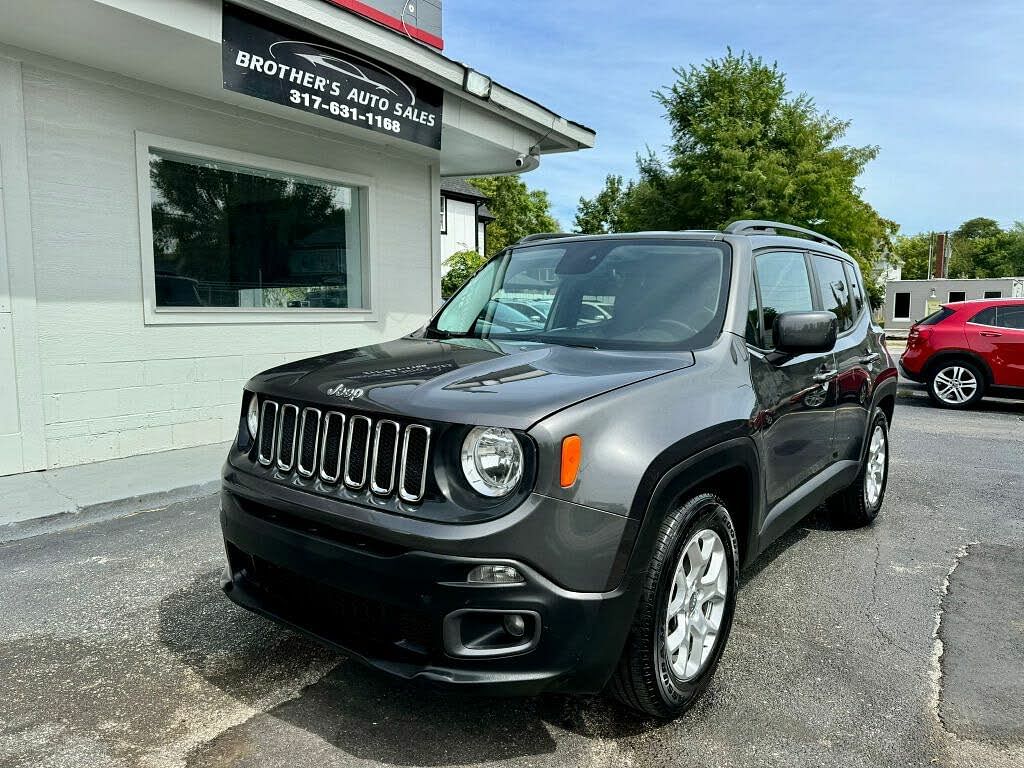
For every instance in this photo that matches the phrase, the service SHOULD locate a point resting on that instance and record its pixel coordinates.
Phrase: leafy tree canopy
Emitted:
(603, 214)
(743, 147)
(518, 211)
(980, 249)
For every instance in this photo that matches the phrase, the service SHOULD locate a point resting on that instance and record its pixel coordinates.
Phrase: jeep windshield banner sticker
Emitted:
(272, 61)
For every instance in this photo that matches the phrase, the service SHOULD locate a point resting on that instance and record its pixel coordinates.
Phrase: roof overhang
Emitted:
(177, 45)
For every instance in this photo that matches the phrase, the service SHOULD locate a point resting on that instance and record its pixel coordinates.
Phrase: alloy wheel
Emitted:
(696, 604)
(874, 476)
(955, 384)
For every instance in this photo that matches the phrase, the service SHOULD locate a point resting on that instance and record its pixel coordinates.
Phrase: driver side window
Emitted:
(785, 286)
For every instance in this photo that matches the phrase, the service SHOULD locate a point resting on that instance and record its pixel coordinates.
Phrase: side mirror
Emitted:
(800, 332)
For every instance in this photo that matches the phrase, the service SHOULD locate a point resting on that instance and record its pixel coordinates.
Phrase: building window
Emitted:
(993, 294)
(957, 296)
(901, 306)
(257, 240)
(444, 215)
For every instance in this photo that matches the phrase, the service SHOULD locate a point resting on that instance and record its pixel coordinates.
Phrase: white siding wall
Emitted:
(113, 386)
(461, 232)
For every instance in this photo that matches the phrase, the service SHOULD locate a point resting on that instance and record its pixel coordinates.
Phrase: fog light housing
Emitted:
(515, 625)
(493, 573)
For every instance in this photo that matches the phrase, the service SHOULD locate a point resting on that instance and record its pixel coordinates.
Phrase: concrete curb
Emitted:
(35, 503)
(107, 510)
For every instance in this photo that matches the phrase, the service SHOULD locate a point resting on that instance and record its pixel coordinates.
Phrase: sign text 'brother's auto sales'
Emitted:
(278, 63)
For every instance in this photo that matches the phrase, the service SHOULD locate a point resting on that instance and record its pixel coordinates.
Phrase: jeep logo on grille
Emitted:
(342, 392)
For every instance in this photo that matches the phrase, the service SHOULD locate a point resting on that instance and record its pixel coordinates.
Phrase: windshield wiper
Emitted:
(437, 333)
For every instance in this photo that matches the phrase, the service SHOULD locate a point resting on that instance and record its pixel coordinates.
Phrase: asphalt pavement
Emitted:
(901, 644)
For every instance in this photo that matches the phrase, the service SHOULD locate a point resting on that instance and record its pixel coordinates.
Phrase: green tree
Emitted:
(743, 147)
(911, 253)
(603, 213)
(461, 267)
(518, 211)
(980, 250)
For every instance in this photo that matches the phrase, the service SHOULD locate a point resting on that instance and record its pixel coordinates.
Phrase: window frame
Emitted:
(910, 305)
(951, 300)
(146, 143)
(444, 215)
(992, 295)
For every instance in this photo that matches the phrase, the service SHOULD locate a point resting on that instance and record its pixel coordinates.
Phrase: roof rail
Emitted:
(750, 226)
(545, 236)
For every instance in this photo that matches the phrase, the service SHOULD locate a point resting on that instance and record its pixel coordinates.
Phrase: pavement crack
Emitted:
(937, 647)
(887, 637)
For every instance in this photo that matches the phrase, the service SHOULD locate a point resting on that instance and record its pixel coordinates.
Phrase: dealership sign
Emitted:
(279, 63)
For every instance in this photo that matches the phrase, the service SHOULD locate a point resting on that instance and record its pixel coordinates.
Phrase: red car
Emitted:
(966, 349)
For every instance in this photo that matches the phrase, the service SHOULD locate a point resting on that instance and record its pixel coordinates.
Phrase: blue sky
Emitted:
(938, 85)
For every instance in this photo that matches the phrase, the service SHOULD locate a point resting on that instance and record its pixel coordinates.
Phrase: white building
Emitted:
(464, 218)
(192, 191)
(907, 301)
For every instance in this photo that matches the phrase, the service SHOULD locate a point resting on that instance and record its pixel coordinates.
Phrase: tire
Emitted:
(650, 679)
(858, 504)
(956, 383)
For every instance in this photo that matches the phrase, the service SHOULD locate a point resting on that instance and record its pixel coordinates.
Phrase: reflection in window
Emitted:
(1010, 317)
(785, 287)
(835, 296)
(227, 236)
(856, 293)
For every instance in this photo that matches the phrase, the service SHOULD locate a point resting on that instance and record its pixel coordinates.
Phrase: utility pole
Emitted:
(941, 251)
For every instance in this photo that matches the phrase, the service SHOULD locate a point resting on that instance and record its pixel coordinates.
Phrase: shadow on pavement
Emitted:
(916, 396)
(240, 653)
(364, 713)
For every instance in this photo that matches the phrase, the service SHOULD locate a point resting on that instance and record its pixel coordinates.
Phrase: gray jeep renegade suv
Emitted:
(554, 484)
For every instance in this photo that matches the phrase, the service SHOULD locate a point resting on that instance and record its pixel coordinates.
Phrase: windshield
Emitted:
(605, 294)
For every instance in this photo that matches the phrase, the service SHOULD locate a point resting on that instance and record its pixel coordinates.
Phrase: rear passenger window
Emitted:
(856, 292)
(1010, 317)
(785, 287)
(835, 295)
(985, 317)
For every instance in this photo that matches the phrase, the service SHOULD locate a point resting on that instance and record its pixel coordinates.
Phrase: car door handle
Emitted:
(869, 359)
(991, 334)
(825, 376)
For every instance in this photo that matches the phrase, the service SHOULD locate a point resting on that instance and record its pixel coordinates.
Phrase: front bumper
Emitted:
(398, 608)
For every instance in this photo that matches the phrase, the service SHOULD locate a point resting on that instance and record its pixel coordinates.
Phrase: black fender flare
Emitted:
(675, 471)
(886, 388)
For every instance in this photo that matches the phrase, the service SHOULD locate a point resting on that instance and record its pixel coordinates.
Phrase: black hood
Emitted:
(468, 381)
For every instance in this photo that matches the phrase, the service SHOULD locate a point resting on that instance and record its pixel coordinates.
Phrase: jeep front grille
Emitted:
(345, 448)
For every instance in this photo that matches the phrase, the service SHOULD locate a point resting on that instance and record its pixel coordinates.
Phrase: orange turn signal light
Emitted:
(572, 454)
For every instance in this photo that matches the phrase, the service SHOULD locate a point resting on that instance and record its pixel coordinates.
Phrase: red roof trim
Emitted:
(390, 21)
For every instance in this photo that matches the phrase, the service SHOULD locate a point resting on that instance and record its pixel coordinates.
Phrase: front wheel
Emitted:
(685, 612)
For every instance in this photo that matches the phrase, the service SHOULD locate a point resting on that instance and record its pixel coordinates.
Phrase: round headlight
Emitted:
(492, 460)
(252, 416)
